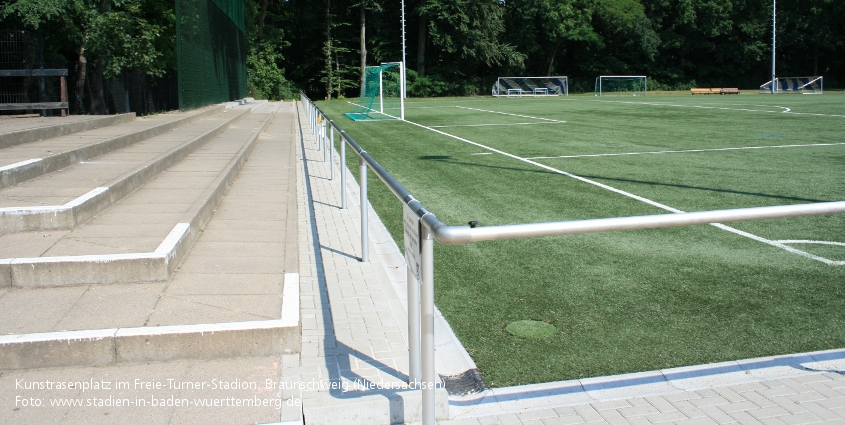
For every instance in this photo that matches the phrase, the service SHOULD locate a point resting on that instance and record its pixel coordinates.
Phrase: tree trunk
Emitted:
(329, 76)
(261, 17)
(82, 69)
(816, 59)
(421, 30)
(551, 66)
(363, 46)
(98, 105)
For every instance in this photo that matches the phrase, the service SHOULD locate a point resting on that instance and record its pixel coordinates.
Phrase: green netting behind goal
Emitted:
(381, 95)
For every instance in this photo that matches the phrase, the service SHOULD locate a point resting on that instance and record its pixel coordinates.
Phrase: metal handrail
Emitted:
(421, 296)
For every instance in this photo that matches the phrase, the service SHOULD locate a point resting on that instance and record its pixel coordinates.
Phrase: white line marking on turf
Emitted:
(719, 107)
(636, 197)
(803, 241)
(503, 124)
(688, 151)
(509, 114)
(483, 153)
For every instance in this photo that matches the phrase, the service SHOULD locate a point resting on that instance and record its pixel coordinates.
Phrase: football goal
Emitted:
(531, 86)
(804, 85)
(607, 85)
(381, 95)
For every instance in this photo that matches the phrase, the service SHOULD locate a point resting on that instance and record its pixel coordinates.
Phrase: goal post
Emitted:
(531, 86)
(803, 85)
(607, 85)
(381, 94)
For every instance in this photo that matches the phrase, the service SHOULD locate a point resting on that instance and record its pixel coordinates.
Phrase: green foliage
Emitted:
(265, 80)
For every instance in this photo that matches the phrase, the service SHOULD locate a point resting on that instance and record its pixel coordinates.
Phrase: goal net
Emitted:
(805, 85)
(635, 85)
(381, 95)
(531, 86)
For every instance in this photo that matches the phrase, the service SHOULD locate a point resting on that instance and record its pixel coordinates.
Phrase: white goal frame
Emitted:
(795, 85)
(531, 86)
(601, 78)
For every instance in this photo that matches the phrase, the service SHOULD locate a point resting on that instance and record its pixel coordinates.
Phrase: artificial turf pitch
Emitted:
(635, 300)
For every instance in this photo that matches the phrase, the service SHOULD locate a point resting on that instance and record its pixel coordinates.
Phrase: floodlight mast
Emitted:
(774, 39)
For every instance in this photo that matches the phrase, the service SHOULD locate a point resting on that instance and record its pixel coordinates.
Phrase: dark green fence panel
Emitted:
(211, 51)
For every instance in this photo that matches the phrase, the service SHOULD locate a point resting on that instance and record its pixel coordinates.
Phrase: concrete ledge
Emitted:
(159, 343)
(16, 173)
(41, 133)
(79, 210)
(374, 408)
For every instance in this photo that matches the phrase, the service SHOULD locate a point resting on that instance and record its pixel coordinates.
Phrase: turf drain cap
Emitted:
(531, 329)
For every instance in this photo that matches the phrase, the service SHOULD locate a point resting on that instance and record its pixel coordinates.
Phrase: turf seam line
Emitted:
(636, 197)
(509, 114)
(722, 108)
(688, 151)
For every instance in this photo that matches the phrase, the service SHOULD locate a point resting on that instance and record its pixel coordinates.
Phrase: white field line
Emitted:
(803, 241)
(509, 114)
(688, 151)
(722, 108)
(636, 197)
(505, 125)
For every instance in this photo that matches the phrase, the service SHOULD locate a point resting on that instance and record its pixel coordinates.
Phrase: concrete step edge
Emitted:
(100, 347)
(33, 135)
(134, 267)
(13, 174)
(79, 210)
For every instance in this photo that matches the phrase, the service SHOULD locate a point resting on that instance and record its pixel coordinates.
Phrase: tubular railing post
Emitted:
(427, 327)
(326, 127)
(414, 360)
(365, 246)
(331, 151)
(342, 173)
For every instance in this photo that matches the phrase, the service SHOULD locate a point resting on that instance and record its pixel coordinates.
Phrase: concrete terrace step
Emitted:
(17, 131)
(22, 162)
(143, 236)
(235, 294)
(67, 197)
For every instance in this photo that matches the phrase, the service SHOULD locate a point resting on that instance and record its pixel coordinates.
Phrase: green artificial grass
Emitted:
(623, 301)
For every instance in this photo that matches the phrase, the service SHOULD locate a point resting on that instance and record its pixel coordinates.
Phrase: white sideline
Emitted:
(636, 197)
(687, 151)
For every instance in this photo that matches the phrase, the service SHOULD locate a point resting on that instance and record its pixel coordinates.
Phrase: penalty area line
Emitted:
(509, 114)
(501, 124)
(635, 197)
(688, 151)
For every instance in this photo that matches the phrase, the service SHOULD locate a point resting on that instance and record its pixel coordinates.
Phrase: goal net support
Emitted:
(805, 85)
(636, 85)
(531, 86)
(381, 94)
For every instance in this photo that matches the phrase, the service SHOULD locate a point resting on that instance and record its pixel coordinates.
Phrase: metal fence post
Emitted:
(325, 139)
(427, 327)
(342, 173)
(331, 151)
(365, 246)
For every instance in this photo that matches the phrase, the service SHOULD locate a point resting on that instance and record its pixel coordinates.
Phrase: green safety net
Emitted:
(210, 52)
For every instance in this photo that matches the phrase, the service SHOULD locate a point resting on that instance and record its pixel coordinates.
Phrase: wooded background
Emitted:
(459, 47)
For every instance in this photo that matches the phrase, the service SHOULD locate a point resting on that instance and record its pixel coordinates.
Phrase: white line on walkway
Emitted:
(720, 107)
(502, 124)
(688, 151)
(509, 114)
(636, 197)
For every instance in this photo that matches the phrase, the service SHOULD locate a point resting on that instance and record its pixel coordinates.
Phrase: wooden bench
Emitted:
(704, 91)
(729, 91)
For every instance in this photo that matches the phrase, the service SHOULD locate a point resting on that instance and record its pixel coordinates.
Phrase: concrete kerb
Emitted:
(160, 343)
(25, 170)
(62, 129)
(77, 211)
(642, 384)
(135, 267)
